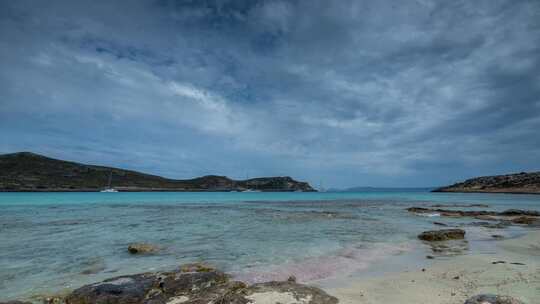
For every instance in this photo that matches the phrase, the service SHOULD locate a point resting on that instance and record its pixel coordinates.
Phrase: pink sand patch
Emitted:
(342, 262)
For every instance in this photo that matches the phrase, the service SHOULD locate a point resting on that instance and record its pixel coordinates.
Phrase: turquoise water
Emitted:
(52, 242)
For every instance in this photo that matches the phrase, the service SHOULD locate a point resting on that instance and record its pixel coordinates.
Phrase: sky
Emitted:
(339, 93)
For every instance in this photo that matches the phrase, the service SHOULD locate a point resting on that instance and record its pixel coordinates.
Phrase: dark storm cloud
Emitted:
(407, 93)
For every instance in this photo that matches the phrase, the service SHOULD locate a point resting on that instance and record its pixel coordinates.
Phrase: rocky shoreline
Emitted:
(519, 183)
(190, 284)
(202, 284)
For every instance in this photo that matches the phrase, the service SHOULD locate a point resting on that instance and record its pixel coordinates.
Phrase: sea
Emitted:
(51, 243)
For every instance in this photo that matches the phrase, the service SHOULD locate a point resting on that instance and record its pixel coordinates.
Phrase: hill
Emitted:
(26, 171)
(510, 183)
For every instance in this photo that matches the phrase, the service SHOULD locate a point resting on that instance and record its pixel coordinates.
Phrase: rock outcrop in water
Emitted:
(27, 171)
(511, 183)
(194, 284)
(484, 214)
(490, 219)
(442, 235)
(142, 248)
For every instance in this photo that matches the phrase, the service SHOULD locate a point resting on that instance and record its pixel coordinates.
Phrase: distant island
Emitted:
(382, 189)
(527, 183)
(30, 172)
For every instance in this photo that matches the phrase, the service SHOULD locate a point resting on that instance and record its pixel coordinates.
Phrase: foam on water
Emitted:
(50, 242)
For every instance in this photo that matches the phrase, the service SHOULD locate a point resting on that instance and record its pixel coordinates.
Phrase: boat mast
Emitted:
(110, 180)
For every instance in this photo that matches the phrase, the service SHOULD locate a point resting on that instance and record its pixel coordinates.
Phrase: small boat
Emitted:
(109, 189)
(251, 190)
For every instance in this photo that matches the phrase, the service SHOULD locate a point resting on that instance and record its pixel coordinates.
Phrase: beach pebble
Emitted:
(492, 299)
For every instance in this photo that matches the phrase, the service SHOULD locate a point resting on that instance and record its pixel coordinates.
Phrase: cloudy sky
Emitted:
(350, 93)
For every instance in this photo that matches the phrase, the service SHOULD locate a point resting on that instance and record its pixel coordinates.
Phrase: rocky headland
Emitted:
(30, 172)
(510, 183)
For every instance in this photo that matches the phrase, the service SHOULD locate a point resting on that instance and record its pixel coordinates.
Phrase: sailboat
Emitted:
(109, 189)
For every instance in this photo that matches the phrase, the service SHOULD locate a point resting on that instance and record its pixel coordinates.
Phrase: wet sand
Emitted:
(452, 280)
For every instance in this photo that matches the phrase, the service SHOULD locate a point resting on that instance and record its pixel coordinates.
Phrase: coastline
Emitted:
(454, 279)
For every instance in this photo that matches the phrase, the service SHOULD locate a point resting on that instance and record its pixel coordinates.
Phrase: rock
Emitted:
(448, 212)
(497, 236)
(486, 218)
(492, 299)
(430, 257)
(482, 214)
(291, 279)
(499, 225)
(146, 287)
(442, 235)
(54, 300)
(515, 212)
(142, 248)
(287, 293)
(459, 205)
(525, 220)
(197, 267)
(194, 284)
(439, 224)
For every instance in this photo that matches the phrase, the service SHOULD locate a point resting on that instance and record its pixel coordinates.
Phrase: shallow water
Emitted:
(50, 242)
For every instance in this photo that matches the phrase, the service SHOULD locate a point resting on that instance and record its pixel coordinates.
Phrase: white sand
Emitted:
(453, 280)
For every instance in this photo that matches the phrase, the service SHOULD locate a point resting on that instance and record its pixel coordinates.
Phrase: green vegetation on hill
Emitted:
(25, 171)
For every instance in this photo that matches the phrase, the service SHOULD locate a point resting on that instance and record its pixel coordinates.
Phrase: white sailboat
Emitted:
(109, 189)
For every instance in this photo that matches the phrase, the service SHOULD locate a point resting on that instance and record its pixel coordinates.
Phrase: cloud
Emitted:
(350, 92)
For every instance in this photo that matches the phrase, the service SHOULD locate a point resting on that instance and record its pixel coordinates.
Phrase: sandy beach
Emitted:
(453, 280)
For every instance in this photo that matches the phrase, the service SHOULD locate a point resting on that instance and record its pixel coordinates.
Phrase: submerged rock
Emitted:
(197, 267)
(442, 235)
(498, 225)
(525, 220)
(439, 224)
(481, 214)
(519, 212)
(194, 284)
(449, 248)
(142, 248)
(492, 299)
